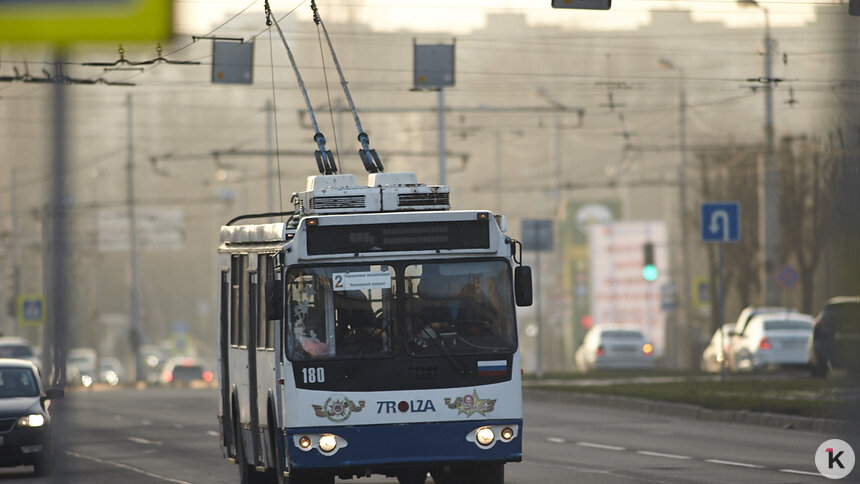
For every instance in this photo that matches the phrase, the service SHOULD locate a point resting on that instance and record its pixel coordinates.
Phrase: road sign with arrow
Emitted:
(721, 222)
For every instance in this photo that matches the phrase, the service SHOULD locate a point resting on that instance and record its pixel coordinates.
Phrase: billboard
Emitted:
(619, 293)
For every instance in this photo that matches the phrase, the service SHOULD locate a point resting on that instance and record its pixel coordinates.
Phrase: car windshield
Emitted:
(460, 308)
(776, 325)
(15, 351)
(18, 382)
(340, 312)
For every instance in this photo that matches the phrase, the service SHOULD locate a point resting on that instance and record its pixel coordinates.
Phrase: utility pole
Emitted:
(441, 110)
(768, 177)
(135, 330)
(15, 290)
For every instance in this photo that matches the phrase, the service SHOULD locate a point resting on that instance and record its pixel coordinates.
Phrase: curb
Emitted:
(693, 412)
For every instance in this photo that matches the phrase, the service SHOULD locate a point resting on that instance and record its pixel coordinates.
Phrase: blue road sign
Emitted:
(787, 277)
(721, 222)
(31, 309)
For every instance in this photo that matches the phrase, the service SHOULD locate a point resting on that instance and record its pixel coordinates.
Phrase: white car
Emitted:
(19, 348)
(713, 357)
(774, 339)
(614, 347)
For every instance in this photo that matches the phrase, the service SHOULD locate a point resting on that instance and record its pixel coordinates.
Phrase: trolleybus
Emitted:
(371, 331)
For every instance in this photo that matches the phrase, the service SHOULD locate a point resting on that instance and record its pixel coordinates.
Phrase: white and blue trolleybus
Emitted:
(371, 332)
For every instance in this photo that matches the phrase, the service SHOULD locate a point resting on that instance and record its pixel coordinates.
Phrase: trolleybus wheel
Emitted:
(415, 476)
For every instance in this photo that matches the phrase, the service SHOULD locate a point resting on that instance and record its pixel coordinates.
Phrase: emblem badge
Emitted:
(338, 408)
(471, 404)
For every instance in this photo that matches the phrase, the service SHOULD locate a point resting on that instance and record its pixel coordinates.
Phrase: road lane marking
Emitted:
(600, 446)
(144, 441)
(660, 454)
(732, 463)
(125, 466)
(213, 433)
(792, 471)
(555, 440)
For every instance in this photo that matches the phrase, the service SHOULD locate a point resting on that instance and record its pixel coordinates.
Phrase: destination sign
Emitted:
(349, 239)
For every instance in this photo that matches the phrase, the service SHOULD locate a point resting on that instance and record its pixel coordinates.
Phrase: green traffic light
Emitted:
(649, 272)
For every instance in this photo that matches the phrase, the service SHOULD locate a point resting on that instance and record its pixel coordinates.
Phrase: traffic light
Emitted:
(649, 269)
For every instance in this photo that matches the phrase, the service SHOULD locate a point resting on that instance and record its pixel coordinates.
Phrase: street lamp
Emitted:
(768, 176)
(682, 190)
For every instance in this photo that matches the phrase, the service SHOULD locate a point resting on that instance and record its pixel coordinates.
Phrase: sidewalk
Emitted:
(788, 422)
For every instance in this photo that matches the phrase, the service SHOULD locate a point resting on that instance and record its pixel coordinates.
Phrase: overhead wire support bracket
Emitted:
(195, 38)
(325, 160)
(369, 158)
(123, 61)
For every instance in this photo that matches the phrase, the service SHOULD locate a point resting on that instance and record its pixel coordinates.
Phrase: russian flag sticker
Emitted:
(493, 368)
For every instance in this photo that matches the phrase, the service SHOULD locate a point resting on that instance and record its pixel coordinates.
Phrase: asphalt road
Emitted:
(170, 436)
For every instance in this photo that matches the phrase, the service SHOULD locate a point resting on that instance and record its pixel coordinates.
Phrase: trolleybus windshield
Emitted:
(356, 312)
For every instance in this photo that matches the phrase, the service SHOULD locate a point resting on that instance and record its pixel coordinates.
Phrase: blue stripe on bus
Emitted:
(379, 445)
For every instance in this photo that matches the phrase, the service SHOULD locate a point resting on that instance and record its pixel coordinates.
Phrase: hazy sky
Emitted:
(459, 16)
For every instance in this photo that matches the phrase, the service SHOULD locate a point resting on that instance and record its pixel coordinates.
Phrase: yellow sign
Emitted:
(31, 309)
(69, 21)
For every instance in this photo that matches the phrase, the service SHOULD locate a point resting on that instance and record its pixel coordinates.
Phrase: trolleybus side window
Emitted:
(268, 273)
(238, 299)
(462, 308)
(340, 312)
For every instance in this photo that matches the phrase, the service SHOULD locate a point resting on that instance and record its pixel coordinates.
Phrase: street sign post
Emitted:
(721, 222)
(537, 235)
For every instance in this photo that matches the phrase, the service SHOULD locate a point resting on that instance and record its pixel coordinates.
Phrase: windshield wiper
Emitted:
(444, 350)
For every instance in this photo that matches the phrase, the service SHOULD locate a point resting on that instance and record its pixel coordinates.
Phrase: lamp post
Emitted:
(768, 177)
(682, 199)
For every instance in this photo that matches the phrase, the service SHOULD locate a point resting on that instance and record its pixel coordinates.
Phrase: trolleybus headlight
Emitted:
(305, 442)
(485, 436)
(507, 434)
(328, 442)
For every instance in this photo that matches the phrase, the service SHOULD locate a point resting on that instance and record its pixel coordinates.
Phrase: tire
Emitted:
(418, 476)
(247, 472)
(44, 466)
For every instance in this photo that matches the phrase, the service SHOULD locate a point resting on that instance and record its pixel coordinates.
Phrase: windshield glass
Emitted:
(15, 351)
(775, 324)
(459, 308)
(340, 312)
(17, 382)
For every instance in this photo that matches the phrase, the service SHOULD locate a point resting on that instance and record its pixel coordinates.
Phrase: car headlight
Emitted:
(33, 420)
(327, 442)
(485, 436)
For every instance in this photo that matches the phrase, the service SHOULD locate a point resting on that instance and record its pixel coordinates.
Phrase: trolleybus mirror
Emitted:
(523, 285)
(274, 300)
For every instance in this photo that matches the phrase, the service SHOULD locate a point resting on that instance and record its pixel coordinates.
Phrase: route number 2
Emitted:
(313, 375)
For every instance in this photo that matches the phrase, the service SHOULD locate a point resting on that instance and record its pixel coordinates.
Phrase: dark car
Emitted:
(25, 423)
(186, 371)
(836, 336)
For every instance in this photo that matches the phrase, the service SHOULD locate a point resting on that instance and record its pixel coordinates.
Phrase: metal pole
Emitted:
(539, 356)
(136, 333)
(59, 252)
(441, 112)
(497, 171)
(769, 183)
(15, 290)
(720, 302)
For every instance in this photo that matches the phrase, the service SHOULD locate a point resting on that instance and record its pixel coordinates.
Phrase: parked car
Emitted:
(25, 422)
(186, 371)
(737, 333)
(713, 357)
(20, 348)
(774, 339)
(610, 346)
(836, 336)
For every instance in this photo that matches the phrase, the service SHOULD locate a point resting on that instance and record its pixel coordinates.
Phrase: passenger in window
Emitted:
(309, 329)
